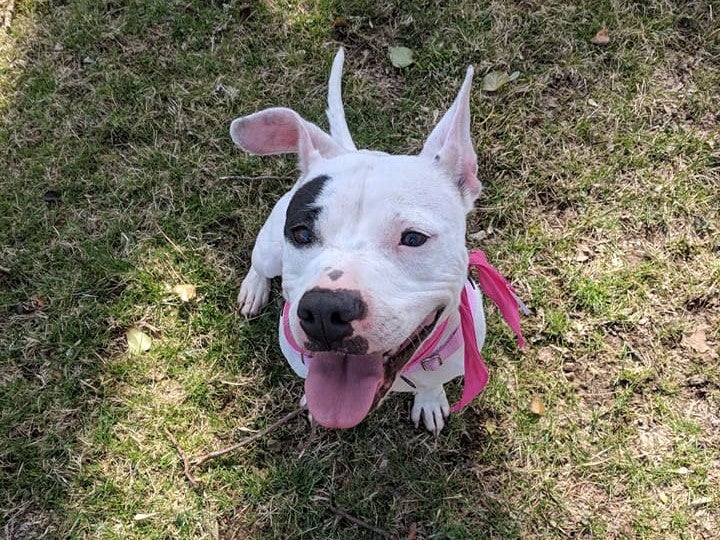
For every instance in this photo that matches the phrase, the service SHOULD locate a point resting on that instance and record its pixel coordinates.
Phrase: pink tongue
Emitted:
(340, 388)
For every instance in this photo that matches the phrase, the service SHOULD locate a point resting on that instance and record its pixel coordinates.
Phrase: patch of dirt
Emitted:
(587, 501)
(27, 522)
(238, 525)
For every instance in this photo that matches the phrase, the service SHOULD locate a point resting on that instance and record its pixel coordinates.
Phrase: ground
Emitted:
(601, 173)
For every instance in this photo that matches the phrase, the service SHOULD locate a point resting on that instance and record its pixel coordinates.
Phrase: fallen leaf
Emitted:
(697, 341)
(339, 22)
(490, 426)
(186, 292)
(537, 406)
(51, 197)
(340, 28)
(601, 38)
(226, 90)
(697, 381)
(138, 341)
(412, 531)
(38, 301)
(700, 501)
(584, 253)
(400, 57)
(143, 517)
(494, 80)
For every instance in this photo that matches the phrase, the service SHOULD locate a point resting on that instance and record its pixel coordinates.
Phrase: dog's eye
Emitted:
(413, 239)
(302, 235)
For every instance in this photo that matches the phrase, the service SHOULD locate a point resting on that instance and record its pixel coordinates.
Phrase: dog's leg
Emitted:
(266, 261)
(254, 293)
(432, 406)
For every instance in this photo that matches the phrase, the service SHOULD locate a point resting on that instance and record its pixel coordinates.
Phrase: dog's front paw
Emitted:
(254, 293)
(432, 405)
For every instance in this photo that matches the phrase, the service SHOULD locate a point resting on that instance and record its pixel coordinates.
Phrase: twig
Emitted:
(199, 460)
(262, 177)
(8, 15)
(357, 521)
(190, 465)
(187, 469)
(173, 244)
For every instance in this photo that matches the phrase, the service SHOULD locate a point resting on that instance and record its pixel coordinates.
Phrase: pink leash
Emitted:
(499, 290)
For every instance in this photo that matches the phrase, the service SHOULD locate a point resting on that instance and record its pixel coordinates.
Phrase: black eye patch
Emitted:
(303, 211)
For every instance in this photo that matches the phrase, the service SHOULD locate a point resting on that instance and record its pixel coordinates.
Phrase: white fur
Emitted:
(370, 200)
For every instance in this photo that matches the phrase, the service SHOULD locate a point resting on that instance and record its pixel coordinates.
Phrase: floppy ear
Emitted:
(283, 131)
(450, 146)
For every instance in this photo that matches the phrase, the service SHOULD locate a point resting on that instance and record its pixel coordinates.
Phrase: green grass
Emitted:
(601, 168)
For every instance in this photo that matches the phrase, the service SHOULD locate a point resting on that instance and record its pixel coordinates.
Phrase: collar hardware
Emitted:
(432, 362)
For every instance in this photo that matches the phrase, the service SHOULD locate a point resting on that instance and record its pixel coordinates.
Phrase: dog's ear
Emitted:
(450, 145)
(283, 131)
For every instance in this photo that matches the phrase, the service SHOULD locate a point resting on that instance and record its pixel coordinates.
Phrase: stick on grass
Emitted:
(190, 465)
(359, 522)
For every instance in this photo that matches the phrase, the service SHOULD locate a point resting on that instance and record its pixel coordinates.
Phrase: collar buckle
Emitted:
(432, 362)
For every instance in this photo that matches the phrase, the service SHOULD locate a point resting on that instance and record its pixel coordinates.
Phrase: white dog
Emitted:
(371, 250)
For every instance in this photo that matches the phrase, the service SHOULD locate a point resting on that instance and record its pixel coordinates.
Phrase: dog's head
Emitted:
(374, 247)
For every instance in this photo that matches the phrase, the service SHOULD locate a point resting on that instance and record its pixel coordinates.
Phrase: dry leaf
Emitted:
(38, 301)
(537, 406)
(601, 38)
(697, 341)
(400, 57)
(494, 81)
(412, 531)
(339, 22)
(138, 341)
(186, 292)
(143, 517)
(490, 426)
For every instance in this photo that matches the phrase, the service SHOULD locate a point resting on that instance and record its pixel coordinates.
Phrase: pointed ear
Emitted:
(283, 131)
(450, 146)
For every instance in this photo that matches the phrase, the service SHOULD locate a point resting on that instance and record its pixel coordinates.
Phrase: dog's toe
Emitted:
(303, 403)
(254, 293)
(433, 407)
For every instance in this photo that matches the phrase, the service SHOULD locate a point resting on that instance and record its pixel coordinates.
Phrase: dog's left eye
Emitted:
(413, 239)
(302, 235)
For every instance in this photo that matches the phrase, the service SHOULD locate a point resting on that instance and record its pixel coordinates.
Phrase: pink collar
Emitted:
(431, 354)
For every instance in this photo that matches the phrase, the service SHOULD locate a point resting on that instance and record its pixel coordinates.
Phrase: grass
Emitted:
(601, 168)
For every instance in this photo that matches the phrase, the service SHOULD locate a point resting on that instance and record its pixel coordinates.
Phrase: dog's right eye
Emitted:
(302, 235)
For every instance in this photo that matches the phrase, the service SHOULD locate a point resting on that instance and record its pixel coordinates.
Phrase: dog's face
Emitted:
(389, 230)
(374, 251)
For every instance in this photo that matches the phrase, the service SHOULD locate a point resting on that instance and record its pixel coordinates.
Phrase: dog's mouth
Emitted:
(342, 389)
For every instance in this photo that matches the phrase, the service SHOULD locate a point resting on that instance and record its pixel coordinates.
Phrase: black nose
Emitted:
(325, 316)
